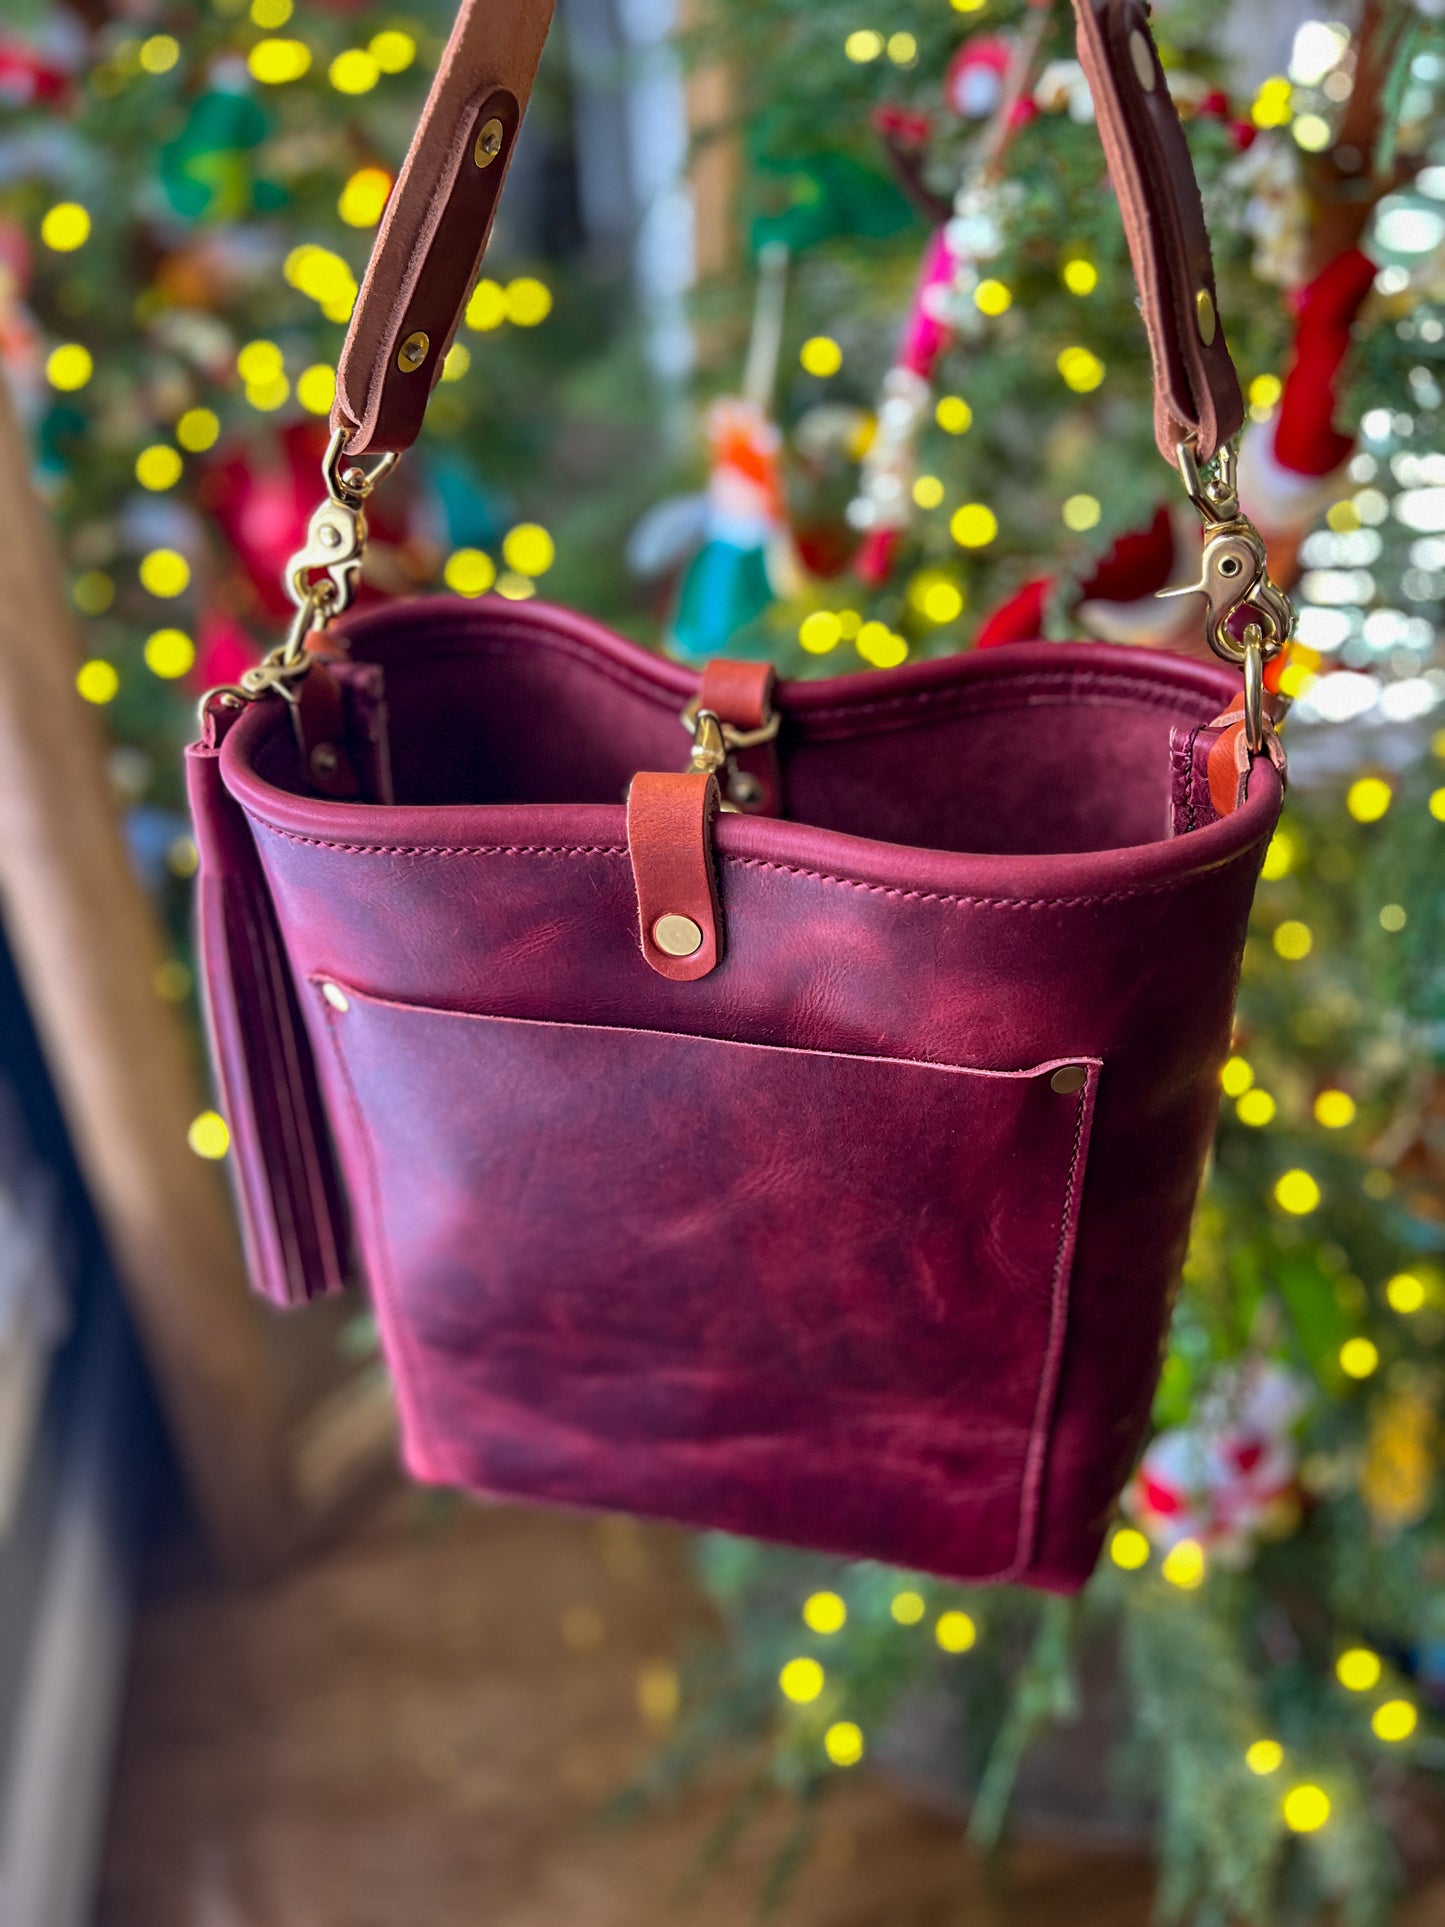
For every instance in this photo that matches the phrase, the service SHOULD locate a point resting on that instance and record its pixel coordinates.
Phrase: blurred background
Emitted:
(807, 333)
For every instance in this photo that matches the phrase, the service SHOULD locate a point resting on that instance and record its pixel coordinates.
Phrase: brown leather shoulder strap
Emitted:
(436, 225)
(434, 232)
(1196, 390)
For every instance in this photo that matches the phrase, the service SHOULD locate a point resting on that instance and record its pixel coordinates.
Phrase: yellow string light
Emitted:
(1129, 1549)
(1305, 1808)
(172, 981)
(353, 72)
(1271, 106)
(158, 467)
(820, 632)
(1342, 517)
(197, 430)
(271, 14)
(1079, 276)
(1082, 512)
(1393, 917)
(316, 388)
(1358, 1670)
(1081, 370)
(1359, 1358)
(902, 49)
(1185, 1565)
(529, 549)
(469, 572)
(516, 588)
(1279, 858)
(993, 297)
(268, 396)
(1264, 1757)
(953, 415)
(1335, 1110)
(820, 355)
(458, 361)
(69, 367)
(825, 1612)
(66, 226)
(169, 653)
(877, 644)
(159, 54)
(364, 196)
(392, 50)
(1297, 1193)
(843, 1743)
(1265, 391)
(907, 1607)
(97, 681)
(1312, 133)
(1256, 1108)
(973, 526)
(487, 308)
(1405, 1293)
(1294, 940)
(1394, 1721)
(276, 62)
(182, 858)
(863, 45)
(955, 1632)
(529, 301)
(802, 1680)
(1368, 798)
(928, 491)
(209, 1136)
(1437, 805)
(165, 573)
(1237, 1076)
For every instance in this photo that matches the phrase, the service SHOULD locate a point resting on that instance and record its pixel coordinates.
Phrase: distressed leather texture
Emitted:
(434, 232)
(809, 1247)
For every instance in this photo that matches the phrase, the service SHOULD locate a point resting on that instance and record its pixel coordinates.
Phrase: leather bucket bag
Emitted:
(772, 1106)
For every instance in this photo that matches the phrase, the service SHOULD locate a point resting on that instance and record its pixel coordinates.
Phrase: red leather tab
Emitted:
(1211, 768)
(669, 838)
(319, 719)
(741, 694)
(1196, 390)
(435, 228)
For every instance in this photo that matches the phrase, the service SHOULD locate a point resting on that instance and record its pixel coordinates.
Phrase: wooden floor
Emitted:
(419, 1729)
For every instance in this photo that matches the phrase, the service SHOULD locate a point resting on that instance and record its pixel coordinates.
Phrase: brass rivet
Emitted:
(1142, 56)
(1071, 1078)
(413, 352)
(336, 997)
(677, 936)
(1204, 303)
(489, 143)
(328, 535)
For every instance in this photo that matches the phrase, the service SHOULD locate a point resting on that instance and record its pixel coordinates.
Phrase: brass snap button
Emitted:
(677, 936)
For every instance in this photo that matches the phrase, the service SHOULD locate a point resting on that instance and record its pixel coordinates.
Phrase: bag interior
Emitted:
(1037, 758)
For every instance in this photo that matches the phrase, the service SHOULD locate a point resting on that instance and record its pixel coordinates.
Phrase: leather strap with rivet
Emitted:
(434, 232)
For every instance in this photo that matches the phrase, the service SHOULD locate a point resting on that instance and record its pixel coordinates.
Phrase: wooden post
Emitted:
(87, 945)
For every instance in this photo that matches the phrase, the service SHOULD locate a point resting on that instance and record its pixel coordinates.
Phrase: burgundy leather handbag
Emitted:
(805, 1145)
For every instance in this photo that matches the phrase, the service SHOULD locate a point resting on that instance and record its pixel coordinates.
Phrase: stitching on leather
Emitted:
(1036, 1453)
(739, 862)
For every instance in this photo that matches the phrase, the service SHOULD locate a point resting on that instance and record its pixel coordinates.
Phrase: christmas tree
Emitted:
(942, 441)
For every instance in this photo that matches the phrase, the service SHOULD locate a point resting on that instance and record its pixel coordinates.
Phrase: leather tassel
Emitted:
(292, 1218)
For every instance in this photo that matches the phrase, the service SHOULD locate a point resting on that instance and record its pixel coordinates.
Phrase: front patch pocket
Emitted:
(805, 1295)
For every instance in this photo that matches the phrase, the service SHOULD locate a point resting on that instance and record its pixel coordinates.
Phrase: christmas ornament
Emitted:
(1230, 1476)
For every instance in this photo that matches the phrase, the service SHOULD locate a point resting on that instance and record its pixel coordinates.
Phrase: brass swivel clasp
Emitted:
(1235, 582)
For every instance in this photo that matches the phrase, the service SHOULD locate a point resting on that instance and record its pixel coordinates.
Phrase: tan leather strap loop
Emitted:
(435, 229)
